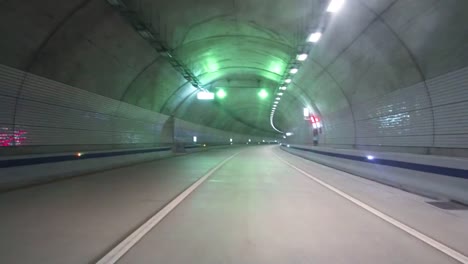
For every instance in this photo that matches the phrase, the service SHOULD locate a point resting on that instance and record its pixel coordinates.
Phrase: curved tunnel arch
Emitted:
(366, 54)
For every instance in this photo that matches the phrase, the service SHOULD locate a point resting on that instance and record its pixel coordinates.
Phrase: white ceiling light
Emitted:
(283, 88)
(314, 37)
(334, 5)
(280, 94)
(288, 81)
(302, 57)
(293, 71)
(276, 102)
(205, 95)
(277, 98)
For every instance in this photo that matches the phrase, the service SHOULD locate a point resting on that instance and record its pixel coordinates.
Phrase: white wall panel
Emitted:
(409, 141)
(402, 124)
(133, 138)
(10, 80)
(8, 136)
(452, 118)
(339, 141)
(338, 128)
(340, 133)
(45, 115)
(44, 136)
(7, 108)
(413, 117)
(449, 95)
(50, 113)
(403, 100)
(452, 141)
(449, 88)
(51, 92)
(400, 118)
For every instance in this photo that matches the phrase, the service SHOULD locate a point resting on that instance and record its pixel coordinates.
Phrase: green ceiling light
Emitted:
(263, 94)
(221, 94)
(276, 67)
(211, 65)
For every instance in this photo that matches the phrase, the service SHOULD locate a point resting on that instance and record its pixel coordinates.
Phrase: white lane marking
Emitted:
(437, 245)
(123, 247)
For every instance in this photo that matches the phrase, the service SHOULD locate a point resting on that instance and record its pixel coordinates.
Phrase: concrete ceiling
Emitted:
(369, 48)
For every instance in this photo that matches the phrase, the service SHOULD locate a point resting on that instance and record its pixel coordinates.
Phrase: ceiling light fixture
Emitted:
(293, 70)
(205, 96)
(263, 94)
(302, 57)
(314, 37)
(221, 94)
(334, 6)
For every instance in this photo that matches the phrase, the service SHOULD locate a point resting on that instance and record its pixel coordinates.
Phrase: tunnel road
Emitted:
(240, 205)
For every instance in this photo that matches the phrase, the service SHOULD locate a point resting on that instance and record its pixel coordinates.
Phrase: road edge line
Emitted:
(125, 245)
(413, 232)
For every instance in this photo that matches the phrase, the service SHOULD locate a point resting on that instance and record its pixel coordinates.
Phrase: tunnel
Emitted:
(234, 131)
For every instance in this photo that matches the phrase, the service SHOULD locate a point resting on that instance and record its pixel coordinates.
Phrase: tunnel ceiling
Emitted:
(240, 47)
(368, 49)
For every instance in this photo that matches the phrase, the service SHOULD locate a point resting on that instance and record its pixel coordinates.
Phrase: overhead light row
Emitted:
(333, 7)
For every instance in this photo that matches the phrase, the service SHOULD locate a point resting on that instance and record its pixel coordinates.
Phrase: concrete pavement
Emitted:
(253, 209)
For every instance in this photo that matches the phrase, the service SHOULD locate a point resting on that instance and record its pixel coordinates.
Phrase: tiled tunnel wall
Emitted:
(419, 116)
(426, 118)
(53, 117)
